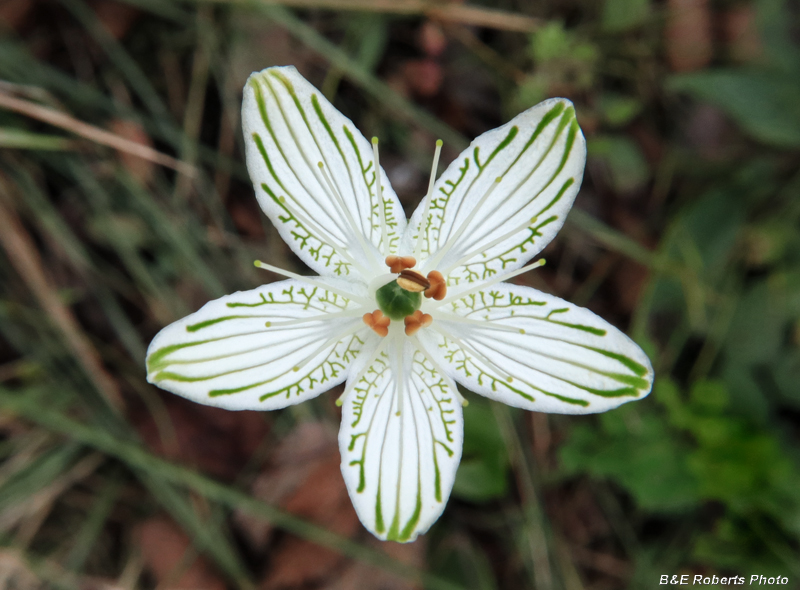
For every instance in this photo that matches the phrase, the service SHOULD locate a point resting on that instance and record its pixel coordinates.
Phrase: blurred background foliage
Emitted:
(124, 205)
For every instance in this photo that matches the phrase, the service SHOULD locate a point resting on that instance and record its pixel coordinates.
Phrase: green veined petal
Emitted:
(313, 174)
(534, 351)
(505, 197)
(263, 349)
(400, 441)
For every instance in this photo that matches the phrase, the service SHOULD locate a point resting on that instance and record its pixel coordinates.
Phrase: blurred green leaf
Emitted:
(776, 21)
(626, 164)
(483, 472)
(619, 110)
(731, 544)
(550, 42)
(621, 15)
(765, 103)
(464, 563)
(637, 452)
(758, 326)
(26, 140)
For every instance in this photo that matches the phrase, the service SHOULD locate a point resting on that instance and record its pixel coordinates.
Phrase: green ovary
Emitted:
(395, 302)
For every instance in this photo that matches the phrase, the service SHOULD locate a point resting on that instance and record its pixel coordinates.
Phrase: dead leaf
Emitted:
(216, 441)
(299, 454)
(309, 459)
(118, 18)
(247, 217)
(688, 35)
(168, 555)
(741, 34)
(432, 40)
(359, 576)
(423, 76)
(14, 13)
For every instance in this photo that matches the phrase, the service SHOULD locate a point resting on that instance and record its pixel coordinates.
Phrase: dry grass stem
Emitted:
(448, 13)
(92, 133)
(26, 260)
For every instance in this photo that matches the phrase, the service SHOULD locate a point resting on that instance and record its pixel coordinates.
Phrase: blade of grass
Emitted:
(137, 80)
(30, 407)
(533, 532)
(89, 534)
(207, 535)
(25, 258)
(194, 107)
(11, 138)
(40, 211)
(163, 223)
(18, 64)
(161, 300)
(379, 91)
(36, 476)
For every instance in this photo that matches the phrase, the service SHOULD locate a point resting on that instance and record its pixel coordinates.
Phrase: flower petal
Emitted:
(264, 349)
(400, 440)
(294, 138)
(534, 351)
(505, 197)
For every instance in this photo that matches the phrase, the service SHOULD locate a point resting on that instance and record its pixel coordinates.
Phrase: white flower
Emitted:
(492, 210)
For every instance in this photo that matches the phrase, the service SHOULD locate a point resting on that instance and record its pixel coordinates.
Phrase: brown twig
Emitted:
(92, 133)
(451, 13)
(26, 260)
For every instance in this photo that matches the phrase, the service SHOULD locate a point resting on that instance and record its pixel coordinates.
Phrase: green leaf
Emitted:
(483, 473)
(637, 452)
(764, 103)
(621, 15)
(619, 110)
(626, 164)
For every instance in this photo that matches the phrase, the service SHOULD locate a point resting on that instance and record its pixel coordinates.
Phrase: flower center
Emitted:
(401, 298)
(396, 302)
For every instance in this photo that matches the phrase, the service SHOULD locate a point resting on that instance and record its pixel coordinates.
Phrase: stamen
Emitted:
(416, 321)
(411, 280)
(399, 381)
(493, 281)
(397, 264)
(341, 248)
(369, 252)
(424, 220)
(471, 349)
(351, 330)
(421, 349)
(480, 324)
(316, 318)
(492, 244)
(438, 288)
(379, 194)
(310, 281)
(378, 322)
(462, 228)
(360, 375)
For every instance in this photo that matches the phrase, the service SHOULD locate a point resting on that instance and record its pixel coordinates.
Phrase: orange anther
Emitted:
(378, 322)
(400, 263)
(438, 288)
(415, 321)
